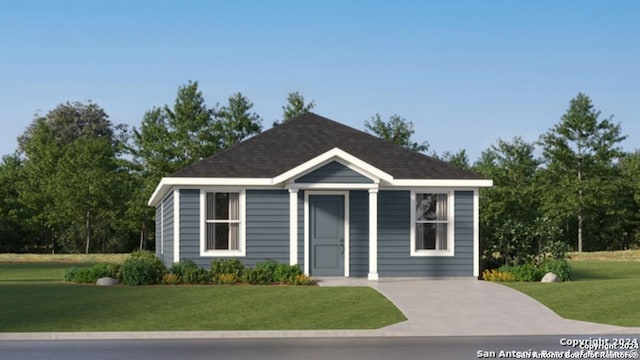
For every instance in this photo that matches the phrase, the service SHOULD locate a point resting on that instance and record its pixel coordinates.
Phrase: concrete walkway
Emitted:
(461, 307)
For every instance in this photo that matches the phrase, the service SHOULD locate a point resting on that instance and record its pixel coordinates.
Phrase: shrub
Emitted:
(196, 276)
(285, 274)
(181, 267)
(302, 279)
(142, 268)
(226, 266)
(559, 267)
(257, 276)
(228, 279)
(171, 279)
(497, 276)
(89, 275)
(526, 272)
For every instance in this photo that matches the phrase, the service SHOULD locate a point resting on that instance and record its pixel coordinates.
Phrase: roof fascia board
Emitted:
(450, 183)
(334, 154)
(168, 182)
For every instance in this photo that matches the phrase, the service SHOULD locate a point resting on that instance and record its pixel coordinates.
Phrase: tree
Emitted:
(513, 199)
(459, 159)
(236, 122)
(69, 183)
(295, 107)
(15, 235)
(580, 153)
(397, 130)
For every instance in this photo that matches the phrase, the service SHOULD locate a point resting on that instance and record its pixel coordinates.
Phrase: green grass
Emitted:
(601, 291)
(62, 258)
(32, 299)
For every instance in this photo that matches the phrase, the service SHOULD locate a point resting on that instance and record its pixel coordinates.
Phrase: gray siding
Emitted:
(393, 239)
(190, 227)
(267, 226)
(359, 233)
(167, 231)
(334, 172)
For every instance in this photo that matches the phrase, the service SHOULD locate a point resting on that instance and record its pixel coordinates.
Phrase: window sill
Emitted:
(222, 253)
(432, 253)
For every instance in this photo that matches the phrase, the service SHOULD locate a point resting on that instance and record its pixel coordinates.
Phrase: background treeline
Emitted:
(79, 183)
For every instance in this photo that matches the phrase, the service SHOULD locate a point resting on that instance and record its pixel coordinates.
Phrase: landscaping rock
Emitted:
(106, 281)
(550, 277)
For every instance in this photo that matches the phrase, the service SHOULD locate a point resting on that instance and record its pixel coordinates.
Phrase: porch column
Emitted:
(373, 234)
(293, 226)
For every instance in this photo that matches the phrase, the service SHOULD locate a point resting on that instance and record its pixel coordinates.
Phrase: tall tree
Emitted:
(580, 153)
(15, 234)
(51, 189)
(459, 159)
(295, 106)
(397, 130)
(236, 121)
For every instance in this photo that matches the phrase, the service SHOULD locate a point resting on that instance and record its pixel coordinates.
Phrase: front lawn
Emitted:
(601, 291)
(33, 299)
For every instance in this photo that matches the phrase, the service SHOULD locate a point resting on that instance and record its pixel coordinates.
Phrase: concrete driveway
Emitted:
(471, 307)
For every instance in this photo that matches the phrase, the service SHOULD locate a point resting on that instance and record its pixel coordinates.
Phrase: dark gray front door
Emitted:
(326, 227)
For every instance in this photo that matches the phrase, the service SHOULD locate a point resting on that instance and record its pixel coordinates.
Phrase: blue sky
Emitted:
(464, 72)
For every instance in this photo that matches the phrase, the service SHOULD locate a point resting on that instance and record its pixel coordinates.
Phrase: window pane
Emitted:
(222, 206)
(430, 207)
(234, 206)
(431, 236)
(211, 206)
(222, 236)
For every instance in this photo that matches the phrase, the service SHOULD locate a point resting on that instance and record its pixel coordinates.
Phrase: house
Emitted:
(330, 198)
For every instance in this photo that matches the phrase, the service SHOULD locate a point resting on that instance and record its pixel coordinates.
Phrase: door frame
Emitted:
(307, 252)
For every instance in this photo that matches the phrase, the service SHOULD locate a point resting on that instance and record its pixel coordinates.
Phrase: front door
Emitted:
(326, 227)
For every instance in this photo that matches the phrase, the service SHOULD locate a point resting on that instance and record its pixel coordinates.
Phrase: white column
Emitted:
(373, 234)
(476, 233)
(293, 226)
(176, 225)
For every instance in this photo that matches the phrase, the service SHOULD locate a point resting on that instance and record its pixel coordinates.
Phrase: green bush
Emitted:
(526, 272)
(226, 266)
(559, 267)
(142, 268)
(89, 275)
(196, 276)
(181, 267)
(285, 274)
(171, 279)
(256, 276)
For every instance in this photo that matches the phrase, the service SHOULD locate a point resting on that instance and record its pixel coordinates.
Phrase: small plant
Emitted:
(196, 276)
(285, 274)
(559, 267)
(226, 266)
(228, 279)
(89, 275)
(255, 276)
(302, 279)
(181, 267)
(527, 272)
(142, 268)
(497, 276)
(171, 279)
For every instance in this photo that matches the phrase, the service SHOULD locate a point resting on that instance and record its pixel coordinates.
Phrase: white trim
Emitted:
(331, 186)
(167, 182)
(449, 183)
(373, 234)
(307, 251)
(176, 225)
(450, 228)
(476, 233)
(293, 226)
(161, 228)
(241, 231)
(331, 155)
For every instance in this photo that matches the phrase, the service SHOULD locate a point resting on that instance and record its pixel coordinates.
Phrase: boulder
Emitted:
(550, 277)
(106, 281)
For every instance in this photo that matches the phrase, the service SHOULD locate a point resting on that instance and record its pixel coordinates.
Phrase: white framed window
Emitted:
(432, 225)
(222, 223)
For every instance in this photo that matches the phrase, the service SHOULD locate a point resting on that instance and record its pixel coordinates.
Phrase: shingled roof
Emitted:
(307, 136)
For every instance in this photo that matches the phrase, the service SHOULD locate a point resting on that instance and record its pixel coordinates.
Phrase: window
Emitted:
(222, 228)
(432, 220)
